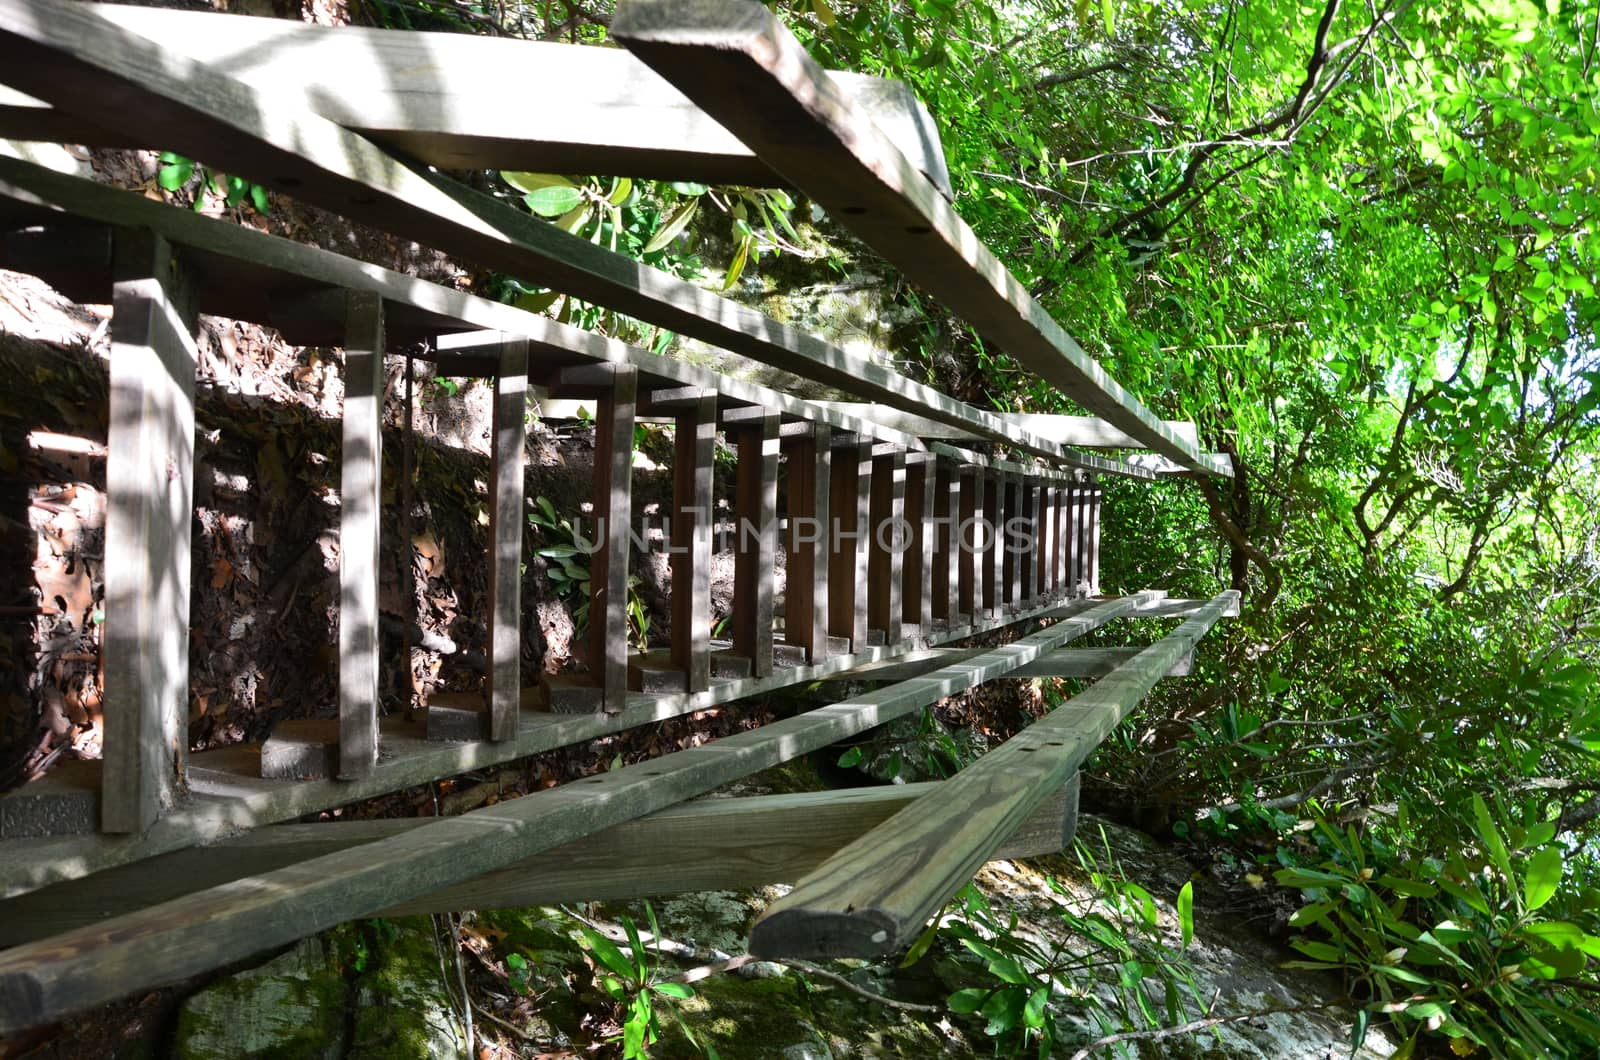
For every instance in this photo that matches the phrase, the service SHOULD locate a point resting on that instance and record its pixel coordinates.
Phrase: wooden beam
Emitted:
(150, 509)
(1080, 432)
(969, 577)
(694, 451)
(507, 523)
(848, 514)
(709, 844)
(756, 534)
(885, 549)
(1063, 662)
(805, 596)
(85, 65)
(874, 895)
(41, 981)
(1093, 545)
(360, 515)
(458, 101)
(796, 118)
(916, 594)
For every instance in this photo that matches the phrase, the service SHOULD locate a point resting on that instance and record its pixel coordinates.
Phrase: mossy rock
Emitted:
(291, 1008)
(402, 1007)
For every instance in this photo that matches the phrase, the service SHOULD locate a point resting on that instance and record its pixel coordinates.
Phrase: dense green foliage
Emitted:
(1355, 243)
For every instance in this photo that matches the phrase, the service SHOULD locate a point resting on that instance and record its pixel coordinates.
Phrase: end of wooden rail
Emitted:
(818, 934)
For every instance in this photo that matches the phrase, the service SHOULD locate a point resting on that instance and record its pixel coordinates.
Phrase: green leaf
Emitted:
(1544, 876)
(1033, 1011)
(175, 171)
(922, 945)
(673, 990)
(606, 952)
(851, 758)
(966, 1001)
(737, 265)
(1358, 1033)
(554, 201)
(1493, 844)
(675, 223)
(528, 183)
(1186, 913)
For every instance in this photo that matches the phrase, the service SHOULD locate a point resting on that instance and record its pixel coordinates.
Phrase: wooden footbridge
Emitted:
(158, 864)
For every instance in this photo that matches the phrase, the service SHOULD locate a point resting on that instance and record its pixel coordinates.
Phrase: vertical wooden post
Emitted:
(1093, 550)
(1058, 555)
(917, 570)
(150, 488)
(360, 504)
(848, 499)
(1047, 540)
(885, 554)
(1041, 541)
(694, 452)
(755, 534)
(1077, 538)
(993, 558)
(1014, 545)
(805, 599)
(615, 390)
(944, 506)
(507, 523)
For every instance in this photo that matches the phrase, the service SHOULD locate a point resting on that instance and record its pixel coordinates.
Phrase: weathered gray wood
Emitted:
(43, 980)
(917, 570)
(886, 524)
(360, 509)
(1075, 540)
(507, 522)
(805, 597)
(615, 389)
(944, 503)
(1085, 432)
(1180, 608)
(969, 574)
(756, 539)
(694, 450)
(150, 486)
(710, 844)
(79, 62)
(1047, 546)
(1014, 540)
(238, 267)
(1093, 545)
(1063, 662)
(227, 794)
(848, 514)
(461, 102)
(796, 119)
(874, 895)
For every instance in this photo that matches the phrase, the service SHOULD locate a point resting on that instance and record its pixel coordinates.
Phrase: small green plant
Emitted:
(567, 564)
(1114, 962)
(630, 980)
(176, 172)
(518, 973)
(1479, 948)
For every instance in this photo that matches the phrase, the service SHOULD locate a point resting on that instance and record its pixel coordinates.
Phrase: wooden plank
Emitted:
(916, 595)
(944, 504)
(41, 981)
(458, 101)
(360, 515)
(885, 547)
(227, 794)
(150, 508)
(1047, 539)
(1063, 662)
(805, 597)
(756, 537)
(1075, 539)
(797, 120)
(848, 513)
(969, 575)
(1013, 540)
(1093, 546)
(615, 389)
(239, 266)
(507, 523)
(1079, 432)
(874, 895)
(710, 844)
(694, 451)
(82, 64)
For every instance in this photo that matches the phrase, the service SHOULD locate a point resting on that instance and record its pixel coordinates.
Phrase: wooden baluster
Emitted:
(508, 521)
(1041, 540)
(916, 595)
(885, 521)
(1012, 540)
(992, 559)
(945, 506)
(150, 509)
(1047, 539)
(755, 432)
(1093, 551)
(615, 388)
(805, 599)
(360, 509)
(848, 501)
